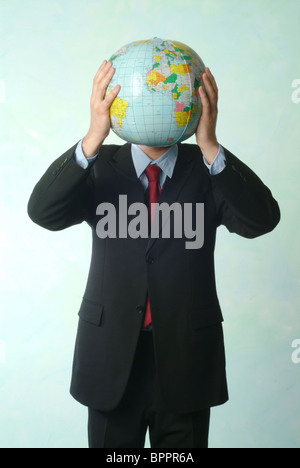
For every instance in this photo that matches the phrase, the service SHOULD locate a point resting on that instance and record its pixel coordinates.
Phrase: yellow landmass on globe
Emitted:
(183, 118)
(154, 78)
(118, 108)
(183, 88)
(180, 69)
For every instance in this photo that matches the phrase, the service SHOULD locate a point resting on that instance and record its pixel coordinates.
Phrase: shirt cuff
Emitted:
(80, 158)
(219, 163)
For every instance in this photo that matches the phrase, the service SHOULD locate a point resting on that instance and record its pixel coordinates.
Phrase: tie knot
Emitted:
(152, 172)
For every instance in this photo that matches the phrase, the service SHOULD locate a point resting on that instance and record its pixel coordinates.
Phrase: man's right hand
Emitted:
(100, 105)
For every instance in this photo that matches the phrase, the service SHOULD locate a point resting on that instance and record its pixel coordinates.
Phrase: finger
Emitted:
(102, 65)
(205, 102)
(97, 79)
(212, 79)
(210, 90)
(106, 79)
(102, 80)
(208, 84)
(100, 69)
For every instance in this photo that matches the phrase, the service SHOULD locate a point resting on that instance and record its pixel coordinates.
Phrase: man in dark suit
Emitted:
(149, 349)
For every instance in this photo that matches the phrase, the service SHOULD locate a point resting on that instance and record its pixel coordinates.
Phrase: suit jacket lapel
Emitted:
(172, 187)
(182, 170)
(123, 163)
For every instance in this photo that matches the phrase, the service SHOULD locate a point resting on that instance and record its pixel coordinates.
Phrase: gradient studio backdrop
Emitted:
(49, 53)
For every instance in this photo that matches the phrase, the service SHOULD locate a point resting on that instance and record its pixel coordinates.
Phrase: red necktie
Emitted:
(152, 194)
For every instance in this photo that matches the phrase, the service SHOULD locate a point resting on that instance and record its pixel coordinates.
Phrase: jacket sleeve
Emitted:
(63, 196)
(244, 204)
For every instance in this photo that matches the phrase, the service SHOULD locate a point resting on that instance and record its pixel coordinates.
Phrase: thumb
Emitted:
(109, 98)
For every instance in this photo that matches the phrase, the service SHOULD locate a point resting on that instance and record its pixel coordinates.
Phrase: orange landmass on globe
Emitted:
(154, 78)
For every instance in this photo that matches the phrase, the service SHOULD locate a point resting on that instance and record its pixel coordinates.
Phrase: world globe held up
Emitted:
(159, 102)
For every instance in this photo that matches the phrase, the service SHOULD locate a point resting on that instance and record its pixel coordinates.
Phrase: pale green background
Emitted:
(49, 53)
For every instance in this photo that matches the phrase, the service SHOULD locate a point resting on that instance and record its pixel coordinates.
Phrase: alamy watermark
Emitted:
(296, 353)
(296, 93)
(133, 221)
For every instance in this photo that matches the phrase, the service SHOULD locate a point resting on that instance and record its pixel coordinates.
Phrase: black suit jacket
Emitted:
(187, 319)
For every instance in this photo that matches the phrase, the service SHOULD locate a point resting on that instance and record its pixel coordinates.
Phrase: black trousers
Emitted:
(141, 408)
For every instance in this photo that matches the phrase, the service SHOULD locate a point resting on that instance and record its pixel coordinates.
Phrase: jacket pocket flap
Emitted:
(91, 312)
(206, 317)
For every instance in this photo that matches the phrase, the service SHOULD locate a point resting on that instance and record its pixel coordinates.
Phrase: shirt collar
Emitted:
(166, 162)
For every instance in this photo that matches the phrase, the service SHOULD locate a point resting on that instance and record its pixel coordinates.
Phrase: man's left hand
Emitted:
(206, 132)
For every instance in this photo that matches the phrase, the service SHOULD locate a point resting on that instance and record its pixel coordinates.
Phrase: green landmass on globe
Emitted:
(159, 102)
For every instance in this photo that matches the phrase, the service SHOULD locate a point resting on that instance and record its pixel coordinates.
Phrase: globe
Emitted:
(159, 102)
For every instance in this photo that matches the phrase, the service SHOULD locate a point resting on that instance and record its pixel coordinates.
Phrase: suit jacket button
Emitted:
(140, 309)
(150, 261)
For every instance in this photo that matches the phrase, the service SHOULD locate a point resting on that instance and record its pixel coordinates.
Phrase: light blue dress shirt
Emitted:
(166, 162)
